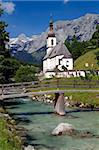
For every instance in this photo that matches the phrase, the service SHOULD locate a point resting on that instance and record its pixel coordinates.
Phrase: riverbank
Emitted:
(12, 137)
(74, 100)
(9, 140)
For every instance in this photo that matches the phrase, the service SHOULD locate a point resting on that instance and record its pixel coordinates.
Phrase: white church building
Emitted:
(58, 60)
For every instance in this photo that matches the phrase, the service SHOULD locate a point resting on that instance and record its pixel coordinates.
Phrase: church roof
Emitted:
(59, 49)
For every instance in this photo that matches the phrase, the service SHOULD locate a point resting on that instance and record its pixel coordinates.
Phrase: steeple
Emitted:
(51, 39)
(51, 23)
(51, 30)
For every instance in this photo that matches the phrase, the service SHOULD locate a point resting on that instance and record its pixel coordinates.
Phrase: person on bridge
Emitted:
(59, 105)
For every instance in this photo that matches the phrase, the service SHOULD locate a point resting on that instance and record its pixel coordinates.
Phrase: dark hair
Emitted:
(56, 98)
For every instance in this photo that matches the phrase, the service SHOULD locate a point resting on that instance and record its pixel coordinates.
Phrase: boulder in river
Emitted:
(29, 147)
(70, 130)
(63, 128)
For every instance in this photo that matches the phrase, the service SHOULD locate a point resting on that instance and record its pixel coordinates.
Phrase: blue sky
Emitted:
(32, 17)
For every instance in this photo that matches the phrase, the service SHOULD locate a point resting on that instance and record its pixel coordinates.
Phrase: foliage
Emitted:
(76, 47)
(8, 65)
(97, 57)
(8, 140)
(95, 37)
(26, 74)
(84, 97)
(4, 39)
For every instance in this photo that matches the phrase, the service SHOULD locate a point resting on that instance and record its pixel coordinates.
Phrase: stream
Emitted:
(40, 120)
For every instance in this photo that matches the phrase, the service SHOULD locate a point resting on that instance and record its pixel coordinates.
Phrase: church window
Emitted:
(67, 65)
(59, 61)
(52, 42)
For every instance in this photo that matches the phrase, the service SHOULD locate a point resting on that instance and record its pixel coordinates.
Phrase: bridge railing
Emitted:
(47, 85)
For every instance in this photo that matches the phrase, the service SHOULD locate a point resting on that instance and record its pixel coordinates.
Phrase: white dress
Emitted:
(60, 105)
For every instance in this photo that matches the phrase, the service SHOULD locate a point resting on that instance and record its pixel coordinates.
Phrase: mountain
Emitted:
(82, 28)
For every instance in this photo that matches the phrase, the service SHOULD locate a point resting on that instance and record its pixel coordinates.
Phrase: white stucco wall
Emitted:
(49, 41)
(46, 65)
(50, 64)
(49, 44)
(49, 74)
(67, 74)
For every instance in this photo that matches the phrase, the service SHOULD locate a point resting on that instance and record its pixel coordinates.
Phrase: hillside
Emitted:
(87, 61)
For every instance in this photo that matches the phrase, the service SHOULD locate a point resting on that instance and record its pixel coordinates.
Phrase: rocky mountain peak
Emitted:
(82, 28)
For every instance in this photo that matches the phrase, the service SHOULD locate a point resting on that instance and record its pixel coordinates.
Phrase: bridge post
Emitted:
(2, 90)
(57, 84)
(74, 83)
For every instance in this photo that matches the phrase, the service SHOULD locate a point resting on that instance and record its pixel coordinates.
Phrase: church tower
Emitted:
(51, 39)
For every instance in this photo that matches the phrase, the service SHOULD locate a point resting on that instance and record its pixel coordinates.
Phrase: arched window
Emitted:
(52, 42)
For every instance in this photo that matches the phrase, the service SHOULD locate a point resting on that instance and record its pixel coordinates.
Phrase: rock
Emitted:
(7, 116)
(77, 104)
(13, 122)
(51, 101)
(66, 97)
(67, 104)
(63, 128)
(29, 147)
(48, 96)
(48, 101)
(81, 105)
(68, 129)
(2, 110)
(34, 98)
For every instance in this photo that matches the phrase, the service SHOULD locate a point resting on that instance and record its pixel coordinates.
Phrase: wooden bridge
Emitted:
(30, 94)
(25, 89)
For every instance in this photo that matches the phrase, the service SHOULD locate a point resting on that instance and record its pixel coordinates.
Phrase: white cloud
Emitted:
(8, 7)
(65, 1)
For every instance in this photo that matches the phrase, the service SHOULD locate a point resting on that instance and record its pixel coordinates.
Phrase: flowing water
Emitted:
(40, 121)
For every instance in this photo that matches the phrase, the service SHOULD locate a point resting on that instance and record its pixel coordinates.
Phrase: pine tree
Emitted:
(4, 38)
(8, 65)
(95, 37)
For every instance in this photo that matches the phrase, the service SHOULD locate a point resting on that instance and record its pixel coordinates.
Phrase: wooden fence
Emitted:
(48, 85)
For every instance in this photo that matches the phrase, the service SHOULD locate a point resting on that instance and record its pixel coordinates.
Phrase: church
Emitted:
(58, 59)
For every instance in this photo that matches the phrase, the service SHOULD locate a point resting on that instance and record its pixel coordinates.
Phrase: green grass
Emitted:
(64, 84)
(84, 97)
(50, 89)
(89, 98)
(89, 58)
(8, 140)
